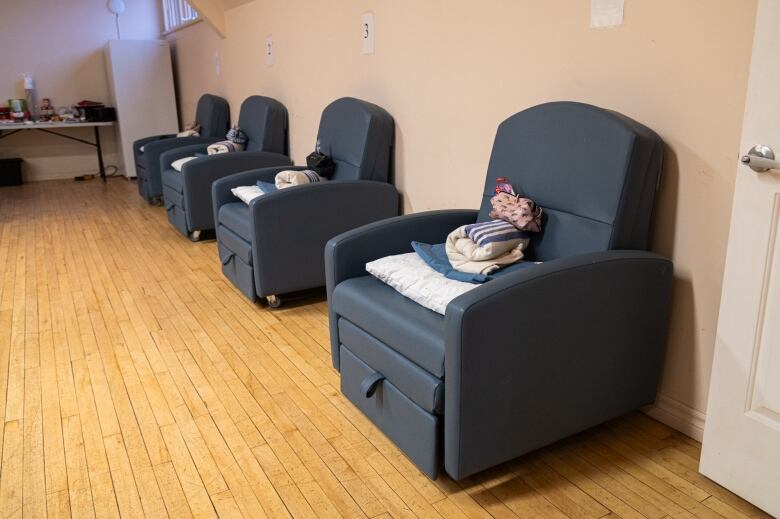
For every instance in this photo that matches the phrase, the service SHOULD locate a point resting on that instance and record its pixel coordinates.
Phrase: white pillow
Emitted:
(178, 164)
(413, 278)
(247, 193)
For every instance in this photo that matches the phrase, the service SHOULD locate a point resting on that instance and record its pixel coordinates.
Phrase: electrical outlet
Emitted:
(269, 50)
(367, 32)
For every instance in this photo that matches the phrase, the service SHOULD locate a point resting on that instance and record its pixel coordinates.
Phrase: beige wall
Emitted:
(450, 71)
(61, 46)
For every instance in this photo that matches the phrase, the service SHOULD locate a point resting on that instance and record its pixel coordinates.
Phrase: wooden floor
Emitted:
(137, 382)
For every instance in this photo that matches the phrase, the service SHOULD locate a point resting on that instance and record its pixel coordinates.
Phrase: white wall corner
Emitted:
(678, 416)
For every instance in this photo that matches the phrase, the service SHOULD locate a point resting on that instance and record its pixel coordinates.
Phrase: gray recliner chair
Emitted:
(213, 117)
(274, 244)
(188, 192)
(539, 353)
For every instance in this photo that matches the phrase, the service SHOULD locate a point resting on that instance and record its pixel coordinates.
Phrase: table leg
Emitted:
(100, 154)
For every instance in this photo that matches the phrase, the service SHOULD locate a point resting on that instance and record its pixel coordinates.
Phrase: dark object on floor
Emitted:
(82, 178)
(10, 172)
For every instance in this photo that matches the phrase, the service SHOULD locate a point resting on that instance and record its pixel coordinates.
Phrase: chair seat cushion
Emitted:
(174, 180)
(413, 331)
(235, 216)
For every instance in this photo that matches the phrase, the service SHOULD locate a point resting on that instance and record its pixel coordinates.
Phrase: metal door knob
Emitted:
(760, 158)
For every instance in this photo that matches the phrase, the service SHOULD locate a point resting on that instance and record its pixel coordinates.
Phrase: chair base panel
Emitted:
(238, 272)
(172, 196)
(177, 217)
(417, 433)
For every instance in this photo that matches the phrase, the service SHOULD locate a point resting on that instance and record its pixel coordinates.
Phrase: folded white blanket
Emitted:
(224, 147)
(289, 178)
(485, 255)
(413, 278)
(247, 193)
(178, 164)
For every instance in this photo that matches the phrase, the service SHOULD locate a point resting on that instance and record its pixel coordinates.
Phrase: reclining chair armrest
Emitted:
(201, 173)
(220, 189)
(346, 255)
(146, 140)
(551, 350)
(154, 150)
(164, 145)
(168, 157)
(228, 163)
(318, 211)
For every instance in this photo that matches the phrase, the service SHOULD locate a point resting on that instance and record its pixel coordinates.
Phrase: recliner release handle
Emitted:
(370, 383)
(227, 258)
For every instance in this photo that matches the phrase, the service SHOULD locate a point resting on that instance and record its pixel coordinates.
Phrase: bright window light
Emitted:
(177, 14)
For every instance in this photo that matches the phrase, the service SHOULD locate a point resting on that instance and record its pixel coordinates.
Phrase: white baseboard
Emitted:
(36, 169)
(678, 416)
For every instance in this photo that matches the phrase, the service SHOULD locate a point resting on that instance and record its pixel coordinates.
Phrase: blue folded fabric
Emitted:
(436, 258)
(266, 187)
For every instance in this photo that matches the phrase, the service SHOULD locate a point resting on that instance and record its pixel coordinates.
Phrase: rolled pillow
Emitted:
(290, 178)
(178, 164)
(224, 147)
(235, 141)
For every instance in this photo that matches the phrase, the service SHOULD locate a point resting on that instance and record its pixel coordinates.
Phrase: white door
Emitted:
(741, 448)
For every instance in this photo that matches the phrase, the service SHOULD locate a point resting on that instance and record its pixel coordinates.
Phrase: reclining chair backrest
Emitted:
(213, 116)
(358, 136)
(593, 171)
(264, 121)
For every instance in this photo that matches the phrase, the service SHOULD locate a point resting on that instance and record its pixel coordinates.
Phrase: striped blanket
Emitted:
(485, 247)
(290, 177)
(485, 233)
(224, 147)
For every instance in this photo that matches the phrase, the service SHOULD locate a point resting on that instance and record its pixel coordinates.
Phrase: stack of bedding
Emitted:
(433, 275)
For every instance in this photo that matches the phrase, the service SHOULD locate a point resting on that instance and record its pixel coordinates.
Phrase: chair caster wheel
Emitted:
(273, 301)
(194, 236)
